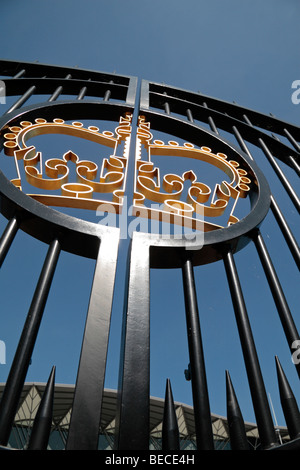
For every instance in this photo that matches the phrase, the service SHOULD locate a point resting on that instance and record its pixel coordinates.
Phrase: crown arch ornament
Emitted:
(130, 170)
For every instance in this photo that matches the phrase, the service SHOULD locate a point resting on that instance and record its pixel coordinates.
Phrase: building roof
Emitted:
(63, 399)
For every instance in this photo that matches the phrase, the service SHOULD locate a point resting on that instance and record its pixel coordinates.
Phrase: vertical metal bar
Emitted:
(236, 426)
(58, 90)
(7, 238)
(189, 115)
(55, 94)
(286, 231)
(41, 429)
(288, 403)
(203, 425)
(167, 106)
(284, 181)
(294, 164)
(211, 121)
(82, 93)
(247, 120)
(286, 318)
(257, 388)
(107, 94)
(22, 99)
(282, 223)
(170, 432)
(20, 74)
(292, 140)
(87, 403)
(241, 141)
(132, 419)
(133, 404)
(18, 371)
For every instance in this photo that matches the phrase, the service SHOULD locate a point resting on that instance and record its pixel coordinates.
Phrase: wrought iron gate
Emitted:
(130, 172)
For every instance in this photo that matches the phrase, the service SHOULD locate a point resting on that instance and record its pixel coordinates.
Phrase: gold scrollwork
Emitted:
(201, 202)
(196, 209)
(53, 174)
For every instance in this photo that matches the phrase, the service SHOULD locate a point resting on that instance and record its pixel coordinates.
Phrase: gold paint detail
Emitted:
(53, 174)
(201, 203)
(155, 197)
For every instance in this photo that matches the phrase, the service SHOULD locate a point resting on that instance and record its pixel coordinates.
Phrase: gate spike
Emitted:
(170, 432)
(236, 426)
(288, 403)
(42, 424)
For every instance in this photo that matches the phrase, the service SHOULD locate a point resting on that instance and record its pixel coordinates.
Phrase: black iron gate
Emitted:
(131, 172)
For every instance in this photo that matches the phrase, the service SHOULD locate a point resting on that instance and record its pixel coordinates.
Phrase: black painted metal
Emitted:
(286, 184)
(256, 384)
(113, 95)
(285, 315)
(41, 428)
(286, 231)
(204, 435)
(291, 445)
(170, 432)
(134, 379)
(7, 238)
(236, 426)
(18, 371)
(86, 412)
(289, 403)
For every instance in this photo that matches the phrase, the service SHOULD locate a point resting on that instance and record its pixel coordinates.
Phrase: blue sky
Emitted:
(242, 51)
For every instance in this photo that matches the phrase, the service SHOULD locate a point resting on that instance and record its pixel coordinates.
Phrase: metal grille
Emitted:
(189, 116)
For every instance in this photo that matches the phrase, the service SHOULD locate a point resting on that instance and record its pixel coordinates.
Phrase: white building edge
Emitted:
(63, 399)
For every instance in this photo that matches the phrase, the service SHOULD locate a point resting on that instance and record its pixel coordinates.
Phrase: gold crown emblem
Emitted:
(201, 203)
(53, 174)
(194, 210)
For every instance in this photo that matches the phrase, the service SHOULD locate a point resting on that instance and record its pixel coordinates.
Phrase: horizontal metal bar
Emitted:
(226, 123)
(185, 99)
(34, 69)
(45, 86)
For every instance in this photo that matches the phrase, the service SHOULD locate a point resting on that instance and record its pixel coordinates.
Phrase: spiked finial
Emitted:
(238, 438)
(43, 420)
(170, 432)
(288, 403)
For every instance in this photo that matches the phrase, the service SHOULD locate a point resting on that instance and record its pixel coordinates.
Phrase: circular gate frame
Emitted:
(82, 238)
(92, 240)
